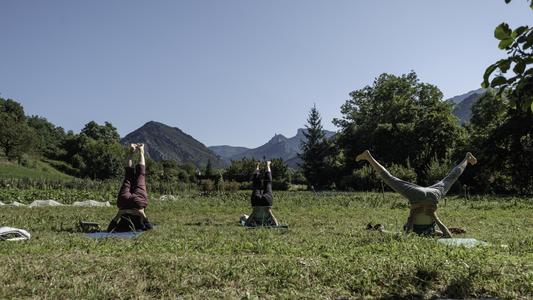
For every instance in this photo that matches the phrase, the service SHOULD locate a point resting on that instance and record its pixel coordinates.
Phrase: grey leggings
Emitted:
(417, 194)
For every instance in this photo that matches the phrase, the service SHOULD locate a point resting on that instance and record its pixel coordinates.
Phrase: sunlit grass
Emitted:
(199, 251)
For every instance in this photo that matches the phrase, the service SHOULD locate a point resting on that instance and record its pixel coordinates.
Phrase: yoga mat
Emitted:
(281, 226)
(124, 235)
(465, 242)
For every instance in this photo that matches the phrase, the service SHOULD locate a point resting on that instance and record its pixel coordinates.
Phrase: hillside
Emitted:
(35, 169)
(463, 104)
(459, 98)
(170, 143)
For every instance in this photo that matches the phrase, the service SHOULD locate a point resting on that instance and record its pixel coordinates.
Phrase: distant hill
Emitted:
(278, 146)
(170, 143)
(459, 98)
(227, 152)
(463, 104)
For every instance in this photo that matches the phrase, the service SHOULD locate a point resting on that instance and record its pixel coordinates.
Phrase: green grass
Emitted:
(198, 251)
(35, 169)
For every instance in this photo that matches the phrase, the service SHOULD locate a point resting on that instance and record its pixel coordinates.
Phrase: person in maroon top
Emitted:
(132, 197)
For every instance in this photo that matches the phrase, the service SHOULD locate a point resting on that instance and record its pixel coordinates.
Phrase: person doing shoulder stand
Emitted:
(423, 200)
(132, 197)
(261, 200)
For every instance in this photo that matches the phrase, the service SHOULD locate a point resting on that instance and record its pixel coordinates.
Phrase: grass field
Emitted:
(199, 251)
(36, 169)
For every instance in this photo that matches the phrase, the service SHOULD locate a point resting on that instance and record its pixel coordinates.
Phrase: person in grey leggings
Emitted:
(423, 200)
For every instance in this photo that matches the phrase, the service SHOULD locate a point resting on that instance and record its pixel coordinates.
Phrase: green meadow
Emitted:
(198, 251)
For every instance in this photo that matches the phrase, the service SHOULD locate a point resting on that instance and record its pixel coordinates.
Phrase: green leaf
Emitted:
(519, 67)
(504, 64)
(489, 71)
(531, 106)
(518, 31)
(502, 32)
(505, 43)
(498, 80)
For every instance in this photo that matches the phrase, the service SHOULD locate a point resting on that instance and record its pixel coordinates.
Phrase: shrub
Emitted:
(403, 172)
(230, 186)
(363, 179)
(280, 185)
(207, 186)
(366, 179)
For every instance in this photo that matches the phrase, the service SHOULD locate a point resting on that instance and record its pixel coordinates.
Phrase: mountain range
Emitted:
(164, 142)
(278, 146)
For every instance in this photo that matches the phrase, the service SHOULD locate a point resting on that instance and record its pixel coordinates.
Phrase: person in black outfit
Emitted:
(262, 200)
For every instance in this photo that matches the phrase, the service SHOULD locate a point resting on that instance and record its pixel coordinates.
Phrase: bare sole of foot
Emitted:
(471, 158)
(362, 156)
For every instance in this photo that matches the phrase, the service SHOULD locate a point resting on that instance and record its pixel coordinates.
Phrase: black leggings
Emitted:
(262, 194)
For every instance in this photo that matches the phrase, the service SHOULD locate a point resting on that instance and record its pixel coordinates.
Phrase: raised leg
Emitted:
(267, 188)
(447, 182)
(125, 190)
(256, 187)
(139, 193)
(409, 190)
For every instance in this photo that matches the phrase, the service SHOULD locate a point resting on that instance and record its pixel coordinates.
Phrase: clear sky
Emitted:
(235, 71)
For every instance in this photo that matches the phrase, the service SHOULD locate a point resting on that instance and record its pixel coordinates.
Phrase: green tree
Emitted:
(95, 152)
(241, 170)
(13, 109)
(208, 172)
(106, 132)
(16, 137)
(49, 137)
(518, 87)
(502, 138)
(399, 119)
(315, 152)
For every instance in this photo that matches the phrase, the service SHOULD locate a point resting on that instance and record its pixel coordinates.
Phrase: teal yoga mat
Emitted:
(465, 242)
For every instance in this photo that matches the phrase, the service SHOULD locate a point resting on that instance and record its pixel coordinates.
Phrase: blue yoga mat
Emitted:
(124, 235)
(465, 242)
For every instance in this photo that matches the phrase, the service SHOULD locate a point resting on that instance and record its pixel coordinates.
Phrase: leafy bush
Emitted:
(403, 172)
(207, 186)
(280, 185)
(361, 179)
(366, 179)
(230, 186)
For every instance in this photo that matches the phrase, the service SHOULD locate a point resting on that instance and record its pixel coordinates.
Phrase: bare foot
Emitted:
(363, 156)
(471, 159)
(140, 147)
(132, 148)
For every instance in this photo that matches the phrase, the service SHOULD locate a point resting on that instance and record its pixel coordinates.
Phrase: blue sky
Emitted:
(234, 72)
